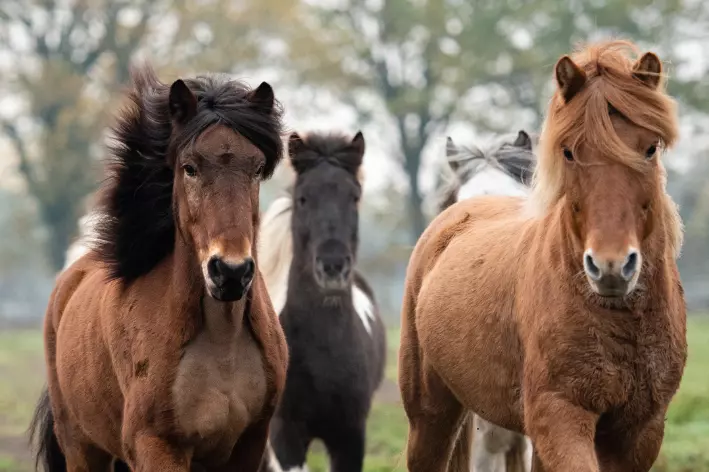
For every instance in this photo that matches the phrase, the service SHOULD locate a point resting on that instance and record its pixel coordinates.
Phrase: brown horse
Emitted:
(560, 315)
(162, 347)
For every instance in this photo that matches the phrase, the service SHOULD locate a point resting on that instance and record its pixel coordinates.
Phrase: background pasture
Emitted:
(406, 72)
(686, 446)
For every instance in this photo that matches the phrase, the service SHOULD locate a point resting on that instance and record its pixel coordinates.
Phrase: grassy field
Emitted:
(686, 446)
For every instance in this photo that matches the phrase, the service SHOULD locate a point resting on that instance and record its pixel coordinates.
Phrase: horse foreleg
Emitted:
(290, 441)
(435, 418)
(87, 459)
(150, 453)
(345, 446)
(634, 451)
(249, 451)
(563, 433)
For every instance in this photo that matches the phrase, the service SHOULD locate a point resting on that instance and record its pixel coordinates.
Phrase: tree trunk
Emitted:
(60, 221)
(417, 222)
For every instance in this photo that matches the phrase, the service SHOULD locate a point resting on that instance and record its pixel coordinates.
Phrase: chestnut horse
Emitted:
(560, 315)
(162, 347)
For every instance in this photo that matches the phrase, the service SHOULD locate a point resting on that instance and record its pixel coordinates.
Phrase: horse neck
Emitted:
(188, 295)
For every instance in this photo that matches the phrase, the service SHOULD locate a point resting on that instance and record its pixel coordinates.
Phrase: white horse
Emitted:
(503, 167)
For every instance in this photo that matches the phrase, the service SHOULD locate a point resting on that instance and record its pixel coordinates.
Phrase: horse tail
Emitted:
(462, 450)
(42, 435)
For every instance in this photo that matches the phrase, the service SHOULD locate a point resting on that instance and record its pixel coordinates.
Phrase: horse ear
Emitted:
(182, 103)
(569, 77)
(523, 140)
(648, 69)
(358, 145)
(295, 147)
(452, 154)
(295, 144)
(263, 97)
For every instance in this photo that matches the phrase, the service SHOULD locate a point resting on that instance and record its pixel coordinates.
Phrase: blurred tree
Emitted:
(63, 55)
(65, 59)
(428, 62)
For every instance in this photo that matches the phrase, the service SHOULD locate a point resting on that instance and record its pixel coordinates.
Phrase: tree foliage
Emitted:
(68, 59)
(487, 62)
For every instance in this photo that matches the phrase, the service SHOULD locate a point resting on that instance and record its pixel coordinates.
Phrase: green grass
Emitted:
(685, 449)
(686, 444)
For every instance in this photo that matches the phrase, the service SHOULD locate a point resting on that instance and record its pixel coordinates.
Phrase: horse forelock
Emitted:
(138, 229)
(500, 154)
(328, 148)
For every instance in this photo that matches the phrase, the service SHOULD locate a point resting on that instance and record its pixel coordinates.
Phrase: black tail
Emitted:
(42, 436)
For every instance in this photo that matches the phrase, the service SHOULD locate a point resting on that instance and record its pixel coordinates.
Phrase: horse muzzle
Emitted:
(228, 281)
(333, 272)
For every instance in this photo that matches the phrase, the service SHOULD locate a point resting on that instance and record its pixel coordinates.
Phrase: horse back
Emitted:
(68, 281)
(477, 226)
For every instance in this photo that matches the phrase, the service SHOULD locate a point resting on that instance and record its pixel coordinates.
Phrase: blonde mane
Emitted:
(276, 249)
(586, 119)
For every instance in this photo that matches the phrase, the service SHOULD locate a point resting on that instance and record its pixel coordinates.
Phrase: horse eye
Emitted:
(259, 171)
(301, 200)
(568, 155)
(650, 152)
(189, 170)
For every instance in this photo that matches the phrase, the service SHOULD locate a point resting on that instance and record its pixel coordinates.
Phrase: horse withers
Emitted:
(502, 167)
(162, 346)
(336, 338)
(560, 315)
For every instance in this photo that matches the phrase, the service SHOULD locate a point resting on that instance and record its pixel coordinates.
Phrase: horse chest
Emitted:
(631, 373)
(330, 366)
(219, 389)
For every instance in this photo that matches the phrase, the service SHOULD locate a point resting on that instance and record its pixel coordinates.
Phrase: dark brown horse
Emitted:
(560, 315)
(162, 347)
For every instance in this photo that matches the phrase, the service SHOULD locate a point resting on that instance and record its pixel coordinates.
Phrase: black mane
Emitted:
(335, 149)
(136, 228)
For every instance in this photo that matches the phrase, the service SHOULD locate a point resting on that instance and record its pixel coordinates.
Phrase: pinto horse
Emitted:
(336, 338)
(503, 167)
(560, 315)
(162, 347)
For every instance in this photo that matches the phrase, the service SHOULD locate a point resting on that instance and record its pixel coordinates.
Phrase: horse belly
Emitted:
(219, 390)
(466, 328)
(89, 388)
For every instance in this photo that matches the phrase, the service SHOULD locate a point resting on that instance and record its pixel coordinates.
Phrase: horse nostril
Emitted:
(332, 266)
(630, 266)
(215, 270)
(249, 267)
(591, 268)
